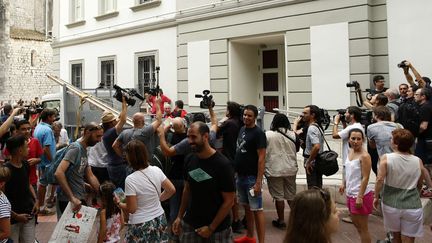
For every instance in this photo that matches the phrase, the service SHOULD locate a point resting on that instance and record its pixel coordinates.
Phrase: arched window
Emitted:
(33, 58)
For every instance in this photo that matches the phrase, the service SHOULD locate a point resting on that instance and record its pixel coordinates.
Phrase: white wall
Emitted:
(330, 65)
(198, 69)
(126, 17)
(243, 73)
(124, 48)
(409, 37)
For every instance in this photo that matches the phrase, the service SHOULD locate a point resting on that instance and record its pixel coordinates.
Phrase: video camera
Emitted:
(31, 110)
(128, 94)
(207, 99)
(402, 64)
(365, 119)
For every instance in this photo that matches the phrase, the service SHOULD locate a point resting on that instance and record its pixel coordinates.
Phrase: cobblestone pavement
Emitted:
(347, 232)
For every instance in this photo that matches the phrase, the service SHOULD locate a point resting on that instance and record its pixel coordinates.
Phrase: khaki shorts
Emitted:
(282, 188)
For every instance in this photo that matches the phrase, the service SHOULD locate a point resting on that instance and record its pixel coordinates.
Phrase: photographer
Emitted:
(151, 100)
(351, 120)
(422, 82)
(379, 88)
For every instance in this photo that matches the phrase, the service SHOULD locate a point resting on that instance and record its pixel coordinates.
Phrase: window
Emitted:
(76, 10)
(145, 4)
(76, 75)
(107, 6)
(107, 72)
(33, 58)
(146, 73)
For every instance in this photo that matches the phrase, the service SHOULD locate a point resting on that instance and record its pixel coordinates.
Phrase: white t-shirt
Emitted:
(97, 155)
(148, 203)
(344, 136)
(64, 138)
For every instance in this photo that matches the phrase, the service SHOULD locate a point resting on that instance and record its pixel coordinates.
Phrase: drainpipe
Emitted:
(46, 19)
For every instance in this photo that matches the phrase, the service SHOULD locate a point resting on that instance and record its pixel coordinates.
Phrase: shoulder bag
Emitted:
(326, 161)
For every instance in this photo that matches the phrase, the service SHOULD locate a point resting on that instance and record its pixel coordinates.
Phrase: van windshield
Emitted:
(51, 104)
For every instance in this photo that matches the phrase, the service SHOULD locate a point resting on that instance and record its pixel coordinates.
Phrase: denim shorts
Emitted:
(42, 176)
(244, 184)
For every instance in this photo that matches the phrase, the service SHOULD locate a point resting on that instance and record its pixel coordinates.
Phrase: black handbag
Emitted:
(326, 161)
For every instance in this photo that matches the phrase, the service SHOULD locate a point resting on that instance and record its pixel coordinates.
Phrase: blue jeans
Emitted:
(244, 184)
(175, 200)
(117, 174)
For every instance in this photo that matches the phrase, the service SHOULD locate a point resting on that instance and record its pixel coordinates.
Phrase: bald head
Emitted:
(138, 120)
(391, 94)
(178, 125)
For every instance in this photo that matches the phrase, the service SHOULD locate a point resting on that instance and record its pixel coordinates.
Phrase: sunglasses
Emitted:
(324, 193)
(98, 127)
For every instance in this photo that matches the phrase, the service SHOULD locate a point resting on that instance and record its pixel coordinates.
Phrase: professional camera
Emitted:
(341, 113)
(207, 99)
(354, 84)
(402, 64)
(128, 94)
(31, 110)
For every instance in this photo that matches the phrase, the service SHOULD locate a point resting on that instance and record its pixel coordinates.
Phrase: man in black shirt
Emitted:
(208, 193)
(20, 192)
(424, 141)
(249, 164)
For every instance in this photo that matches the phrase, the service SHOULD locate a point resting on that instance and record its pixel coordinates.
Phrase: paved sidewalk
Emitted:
(347, 232)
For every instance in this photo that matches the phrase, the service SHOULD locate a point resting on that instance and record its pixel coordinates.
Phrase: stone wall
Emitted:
(25, 80)
(4, 39)
(28, 14)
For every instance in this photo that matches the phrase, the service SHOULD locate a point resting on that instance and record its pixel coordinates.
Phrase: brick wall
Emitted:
(25, 80)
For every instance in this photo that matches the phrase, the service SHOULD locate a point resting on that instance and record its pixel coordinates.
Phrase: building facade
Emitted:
(279, 53)
(25, 49)
(106, 42)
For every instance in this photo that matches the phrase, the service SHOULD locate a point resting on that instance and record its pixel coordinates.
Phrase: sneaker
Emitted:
(426, 193)
(236, 226)
(245, 239)
(280, 225)
(46, 212)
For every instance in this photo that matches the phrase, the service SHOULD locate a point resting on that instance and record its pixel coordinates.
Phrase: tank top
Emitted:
(353, 178)
(113, 226)
(400, 185)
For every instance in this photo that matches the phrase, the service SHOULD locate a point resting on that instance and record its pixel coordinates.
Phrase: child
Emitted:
(5, 207)
(111, 219)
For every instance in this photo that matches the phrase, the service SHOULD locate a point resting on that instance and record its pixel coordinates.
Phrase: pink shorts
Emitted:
(367, 204)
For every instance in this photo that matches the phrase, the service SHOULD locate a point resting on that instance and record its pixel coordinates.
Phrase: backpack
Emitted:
(52, 167)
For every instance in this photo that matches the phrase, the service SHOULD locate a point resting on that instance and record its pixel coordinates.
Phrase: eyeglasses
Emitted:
(324, 193)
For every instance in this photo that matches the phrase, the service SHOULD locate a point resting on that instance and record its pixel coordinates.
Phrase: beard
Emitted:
(197, 148)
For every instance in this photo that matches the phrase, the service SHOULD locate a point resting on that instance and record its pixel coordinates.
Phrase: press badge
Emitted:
(199, 175)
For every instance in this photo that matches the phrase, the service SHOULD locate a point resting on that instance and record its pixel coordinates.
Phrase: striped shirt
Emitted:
(5, 209)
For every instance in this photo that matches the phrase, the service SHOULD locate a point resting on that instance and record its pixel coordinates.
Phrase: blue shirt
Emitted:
(45, 135)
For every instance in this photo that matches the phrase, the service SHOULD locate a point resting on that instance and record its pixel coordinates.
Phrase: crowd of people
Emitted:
(214, 169)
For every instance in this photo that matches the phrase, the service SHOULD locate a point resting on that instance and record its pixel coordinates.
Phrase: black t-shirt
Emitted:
(426, 115)
(409, 115)
(207, 179)
(176, 171)
(374, 91)
(108, 139)
(17, 189)
(229, 131)
(249, 140)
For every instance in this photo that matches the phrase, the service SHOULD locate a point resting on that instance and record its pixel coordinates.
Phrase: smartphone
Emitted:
(120, 194)
(252, 192)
